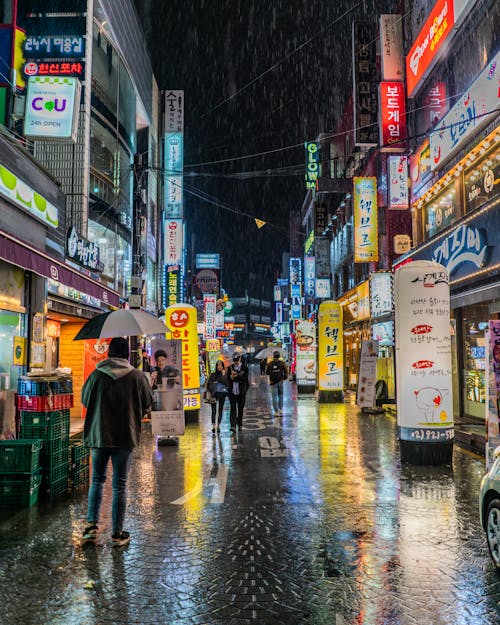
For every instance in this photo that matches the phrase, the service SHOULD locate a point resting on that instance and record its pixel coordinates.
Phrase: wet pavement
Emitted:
(305, 519)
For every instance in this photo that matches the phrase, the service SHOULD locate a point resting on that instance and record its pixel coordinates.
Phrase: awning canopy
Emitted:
(20, 254)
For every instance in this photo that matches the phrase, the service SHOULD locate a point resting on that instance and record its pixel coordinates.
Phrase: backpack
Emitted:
(276, 372)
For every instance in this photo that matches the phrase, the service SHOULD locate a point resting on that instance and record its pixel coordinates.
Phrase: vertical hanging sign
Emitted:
(423, 353)
(173, 154)
(365, 220)
(398, 182)
(365, 79)
(312, 165)
(330, 347)
(492, 376)
(209, 312)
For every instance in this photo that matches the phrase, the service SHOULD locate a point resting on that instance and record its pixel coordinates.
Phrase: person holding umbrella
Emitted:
(116, 396)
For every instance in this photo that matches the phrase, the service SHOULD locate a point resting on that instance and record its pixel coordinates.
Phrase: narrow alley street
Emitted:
(305, 519)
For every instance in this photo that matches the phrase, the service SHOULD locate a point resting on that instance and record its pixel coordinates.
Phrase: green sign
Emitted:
(21, 194)
(309, 242)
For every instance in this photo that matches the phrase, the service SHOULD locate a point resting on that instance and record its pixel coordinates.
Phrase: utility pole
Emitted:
(139, 211)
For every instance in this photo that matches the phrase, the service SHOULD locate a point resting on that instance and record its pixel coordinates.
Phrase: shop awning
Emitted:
(21, 255)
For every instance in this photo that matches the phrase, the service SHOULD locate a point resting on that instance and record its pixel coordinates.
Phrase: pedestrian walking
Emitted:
(277, 372)
(263, 364)
(116, 396)
(238, 387)
(216, 392)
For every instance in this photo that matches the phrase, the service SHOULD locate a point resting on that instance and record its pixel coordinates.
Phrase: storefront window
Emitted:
(116, 255)
(475, 322)
(441, 211)
(480, 181)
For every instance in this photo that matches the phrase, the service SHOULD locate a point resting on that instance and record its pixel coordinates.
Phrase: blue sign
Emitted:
(174, 153)
(54, 46)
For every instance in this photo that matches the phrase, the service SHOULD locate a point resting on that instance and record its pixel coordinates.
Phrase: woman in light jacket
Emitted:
(217, 389)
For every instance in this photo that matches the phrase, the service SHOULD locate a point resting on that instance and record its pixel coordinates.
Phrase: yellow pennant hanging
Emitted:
(259, 223)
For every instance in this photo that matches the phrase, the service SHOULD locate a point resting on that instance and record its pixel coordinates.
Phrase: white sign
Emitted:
(398, 182)
(173, 237)
(423, 352)
(391, 46)
(209, 311)
(380, 294)
(474, 110)
(310, 276)
(22, 195)
(173, 197)
(174, 111)
(323, 288)
(367, 374)
(167, 415)
(164, 424)
(52, 107)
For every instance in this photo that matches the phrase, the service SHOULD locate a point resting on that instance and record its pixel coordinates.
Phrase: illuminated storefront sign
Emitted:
(391, 47)
(383, 332)
(364, 44)
(323, 288)
(173, 197)
(295, 267)
(52, 106)
(392, 116)
(482, 182)
(464, 244)
(54, 46)
(380, 294)
(174, 153)
(305, 339)
(436, 104)
(363, 291)
(309, 276)
(171, 286)
(398, 182)
(420, 170)
(474, 110)
(330, 347)
(55, 68)
(209, 310)
(443, 18)
(365, 219)
(207, 261)
(423, 353)
(173, 237)
(309, 242)
(181, 319)
(82, 251)
(312, 165)
(21, 194)
(174, 111)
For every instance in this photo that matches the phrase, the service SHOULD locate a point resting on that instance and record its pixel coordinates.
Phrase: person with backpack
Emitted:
(277, 372)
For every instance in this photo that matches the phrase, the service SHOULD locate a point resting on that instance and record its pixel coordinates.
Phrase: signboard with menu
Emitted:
(423, 353)
(365, 397)
(305, 337)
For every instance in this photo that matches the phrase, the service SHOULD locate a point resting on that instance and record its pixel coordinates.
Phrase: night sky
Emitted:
(296, 55)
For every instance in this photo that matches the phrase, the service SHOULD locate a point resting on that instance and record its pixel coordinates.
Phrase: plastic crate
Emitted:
(18, 491)
(28, 386)
(55, 489)
(79, 453)
(44, 402)
(56, 448)
(45, 425)
(56, 472)
(20, 456)
(79, 476)
(48, 463)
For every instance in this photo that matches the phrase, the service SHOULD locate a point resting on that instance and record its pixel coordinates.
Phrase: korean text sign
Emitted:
(392, 115)
(423, 352)
(209, 311)
(305, 336)
(182, 321)
(330, 347)
(365, 219)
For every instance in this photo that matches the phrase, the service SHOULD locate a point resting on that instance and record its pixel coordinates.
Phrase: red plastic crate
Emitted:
(40, 403)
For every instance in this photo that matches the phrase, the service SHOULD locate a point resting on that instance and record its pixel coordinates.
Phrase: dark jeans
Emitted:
(237, 404)
(120, 459)
(221, 398)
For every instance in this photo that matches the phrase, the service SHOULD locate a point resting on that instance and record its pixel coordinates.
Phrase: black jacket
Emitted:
(241, 378)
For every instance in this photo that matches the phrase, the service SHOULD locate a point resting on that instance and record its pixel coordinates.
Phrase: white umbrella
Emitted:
(122, 322)
(268, 352)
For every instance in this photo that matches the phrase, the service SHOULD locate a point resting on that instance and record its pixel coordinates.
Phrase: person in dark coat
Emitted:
(216, 393)
(116, 396)
(238, 387)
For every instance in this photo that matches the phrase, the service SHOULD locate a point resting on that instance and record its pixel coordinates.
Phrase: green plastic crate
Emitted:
(45, 425)
(79, 453)
(18, 491)
(20, 455)
(79, 477)
(56, 472)
(56, 489)
(56, 448)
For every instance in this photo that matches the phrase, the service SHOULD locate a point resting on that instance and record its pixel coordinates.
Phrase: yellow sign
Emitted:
(212, 345)
(19, 355)
(181, 319)
(363, 300)
(19, 39)
(365, 220)
(330, 347)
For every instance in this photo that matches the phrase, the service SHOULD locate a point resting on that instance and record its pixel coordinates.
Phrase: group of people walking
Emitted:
(232, 382)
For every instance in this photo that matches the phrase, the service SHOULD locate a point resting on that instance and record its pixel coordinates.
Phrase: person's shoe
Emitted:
(120, 539)
(232, 429)
(214, 429)
(90, 532)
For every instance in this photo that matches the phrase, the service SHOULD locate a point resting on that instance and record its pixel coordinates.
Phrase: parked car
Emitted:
(489, 508)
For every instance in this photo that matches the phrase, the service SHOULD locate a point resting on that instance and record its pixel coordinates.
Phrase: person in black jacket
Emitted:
(238, 387)
(277, 372)
(216, 392)
(116, 396)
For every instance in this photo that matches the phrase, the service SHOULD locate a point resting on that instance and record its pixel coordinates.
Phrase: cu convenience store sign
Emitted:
(443, 19)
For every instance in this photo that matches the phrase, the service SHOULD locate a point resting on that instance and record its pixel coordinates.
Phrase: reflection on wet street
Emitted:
(307, 518)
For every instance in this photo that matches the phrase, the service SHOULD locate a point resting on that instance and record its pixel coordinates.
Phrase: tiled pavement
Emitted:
(306, 519)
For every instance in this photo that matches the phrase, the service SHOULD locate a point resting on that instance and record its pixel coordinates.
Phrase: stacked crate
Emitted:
(43, 405)
(79, 465)
(20, 475)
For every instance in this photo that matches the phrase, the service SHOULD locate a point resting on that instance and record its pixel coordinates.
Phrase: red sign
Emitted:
(392, 115)
(436, 103)
(421, 329)
(64, 68)
(178, 319)
(423, 364)
(434, 33)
